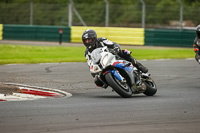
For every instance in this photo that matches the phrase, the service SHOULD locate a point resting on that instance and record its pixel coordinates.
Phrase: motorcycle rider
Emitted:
(91, 42)
(196, 44)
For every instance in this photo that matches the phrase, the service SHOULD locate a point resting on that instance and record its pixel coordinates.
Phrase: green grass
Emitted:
(13, 54)
(170, 53)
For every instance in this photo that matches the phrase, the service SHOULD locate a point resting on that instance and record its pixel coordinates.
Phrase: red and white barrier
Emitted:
(26, 92)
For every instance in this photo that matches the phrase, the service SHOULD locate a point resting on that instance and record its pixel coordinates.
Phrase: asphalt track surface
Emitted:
(175, 108)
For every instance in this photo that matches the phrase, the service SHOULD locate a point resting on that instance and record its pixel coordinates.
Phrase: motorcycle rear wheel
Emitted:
(123, 90)
(151, 88)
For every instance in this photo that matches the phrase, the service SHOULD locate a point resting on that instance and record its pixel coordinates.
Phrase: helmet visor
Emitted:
(88, 42)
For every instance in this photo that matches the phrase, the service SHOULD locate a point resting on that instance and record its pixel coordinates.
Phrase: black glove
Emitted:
(114, 51)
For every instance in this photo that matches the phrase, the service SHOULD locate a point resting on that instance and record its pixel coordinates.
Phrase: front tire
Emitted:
(123, 90)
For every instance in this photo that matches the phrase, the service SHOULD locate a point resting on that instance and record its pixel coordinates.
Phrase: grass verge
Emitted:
(14, 54)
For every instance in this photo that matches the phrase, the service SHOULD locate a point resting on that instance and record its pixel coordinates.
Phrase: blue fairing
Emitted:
(121, 65)
(116, 74)
(127, 69)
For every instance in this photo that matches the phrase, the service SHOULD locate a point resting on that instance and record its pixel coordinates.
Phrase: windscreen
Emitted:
(96, 55)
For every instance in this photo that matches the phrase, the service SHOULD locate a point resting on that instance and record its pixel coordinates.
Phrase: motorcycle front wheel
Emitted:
(122, 89)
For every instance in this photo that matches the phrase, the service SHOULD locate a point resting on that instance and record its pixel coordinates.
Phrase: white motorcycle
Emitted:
(120, 75)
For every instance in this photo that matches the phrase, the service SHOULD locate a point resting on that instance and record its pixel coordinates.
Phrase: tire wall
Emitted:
(122, 36)
(35, 33)
(1, 31)
(169, 37)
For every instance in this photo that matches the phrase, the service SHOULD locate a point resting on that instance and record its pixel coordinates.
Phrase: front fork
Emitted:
(118, 75)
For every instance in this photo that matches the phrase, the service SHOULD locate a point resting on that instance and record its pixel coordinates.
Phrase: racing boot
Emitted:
(99, 82)
(128, 57)
(197, 57)
(140, 67)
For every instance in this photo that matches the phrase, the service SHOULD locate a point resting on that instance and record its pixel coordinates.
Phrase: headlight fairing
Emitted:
(105, 60)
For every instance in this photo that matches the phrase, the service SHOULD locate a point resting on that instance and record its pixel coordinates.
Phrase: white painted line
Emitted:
(162, 59)
(189, 59)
